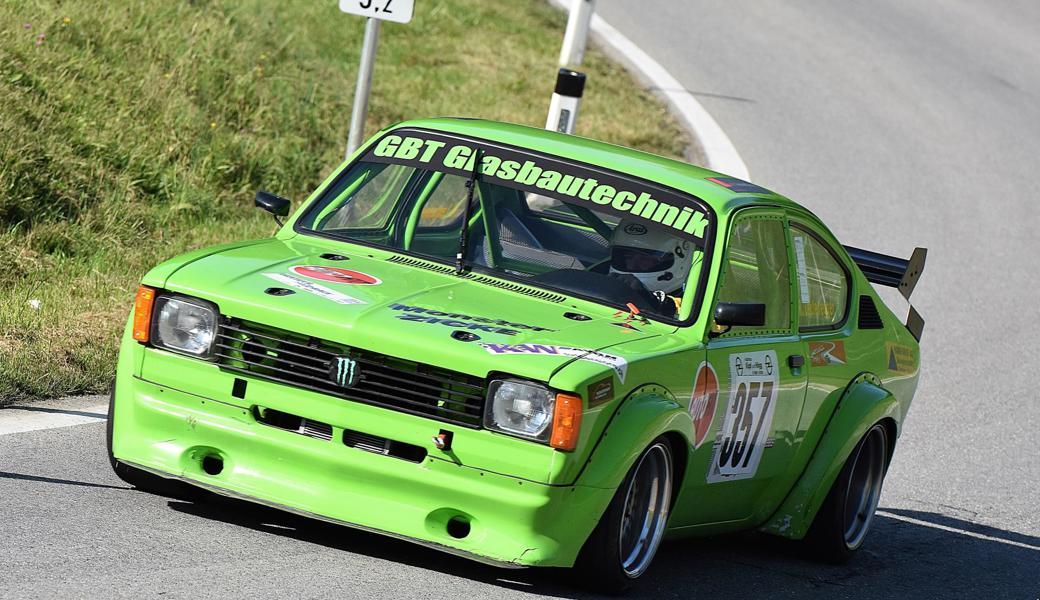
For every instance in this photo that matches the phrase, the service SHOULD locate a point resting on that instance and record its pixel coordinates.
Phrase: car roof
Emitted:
(682, 176)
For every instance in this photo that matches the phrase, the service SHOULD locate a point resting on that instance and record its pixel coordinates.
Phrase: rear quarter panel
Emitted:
(886, 367)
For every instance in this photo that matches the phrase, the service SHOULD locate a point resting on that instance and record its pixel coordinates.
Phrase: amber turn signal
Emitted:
(143, 313)
(566, 422)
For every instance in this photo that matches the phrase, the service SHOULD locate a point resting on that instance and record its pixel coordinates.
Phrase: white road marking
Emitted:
(980, 536)
(719, 151)
(21, 420)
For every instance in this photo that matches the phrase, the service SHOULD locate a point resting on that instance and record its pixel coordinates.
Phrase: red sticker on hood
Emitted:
(703, 402)
(336, 275)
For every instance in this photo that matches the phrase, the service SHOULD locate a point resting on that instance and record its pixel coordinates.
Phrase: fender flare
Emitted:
(648, 412)
(864, 403)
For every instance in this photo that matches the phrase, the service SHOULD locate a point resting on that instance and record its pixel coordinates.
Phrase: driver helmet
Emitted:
(660, 261)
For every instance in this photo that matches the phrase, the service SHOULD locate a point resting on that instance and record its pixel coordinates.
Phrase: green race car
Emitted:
(529, 349)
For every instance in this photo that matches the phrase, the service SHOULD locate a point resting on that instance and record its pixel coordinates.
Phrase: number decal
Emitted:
(753, 384)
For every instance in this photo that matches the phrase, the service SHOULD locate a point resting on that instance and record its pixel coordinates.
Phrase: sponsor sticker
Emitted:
(803, 279)
(601, 391)
(344, 371)
(419, 314)
(618, 364)
(754, 380)
(635, 229)
(704, 402)
(820, 311)
(314, 288)
(822, 354)
(335, 275)
(900, 358)
(535, 173)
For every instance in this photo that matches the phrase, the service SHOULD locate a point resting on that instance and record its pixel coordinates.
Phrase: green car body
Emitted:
(378, 463)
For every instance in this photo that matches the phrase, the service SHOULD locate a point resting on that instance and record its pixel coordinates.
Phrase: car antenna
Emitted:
(471, 186)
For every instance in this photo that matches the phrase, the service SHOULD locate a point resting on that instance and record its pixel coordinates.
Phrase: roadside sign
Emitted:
(398, 11)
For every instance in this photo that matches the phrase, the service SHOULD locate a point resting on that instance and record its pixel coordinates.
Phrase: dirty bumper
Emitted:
(478, 514)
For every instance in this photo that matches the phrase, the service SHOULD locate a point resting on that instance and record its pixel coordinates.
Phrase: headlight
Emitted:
(184, 325)
(520, 408)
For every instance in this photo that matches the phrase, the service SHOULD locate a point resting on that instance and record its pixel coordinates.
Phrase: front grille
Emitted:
(380, 380)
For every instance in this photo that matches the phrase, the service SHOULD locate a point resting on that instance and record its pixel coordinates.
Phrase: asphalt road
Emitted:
(69, 528)
(900, 123)
(904, 123)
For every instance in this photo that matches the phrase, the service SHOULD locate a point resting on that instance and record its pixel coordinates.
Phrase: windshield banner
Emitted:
(572, 182)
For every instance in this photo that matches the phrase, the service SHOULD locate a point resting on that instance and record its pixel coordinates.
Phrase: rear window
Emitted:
(823, 284)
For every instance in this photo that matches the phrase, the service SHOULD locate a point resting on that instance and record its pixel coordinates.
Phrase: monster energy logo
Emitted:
(344, 372)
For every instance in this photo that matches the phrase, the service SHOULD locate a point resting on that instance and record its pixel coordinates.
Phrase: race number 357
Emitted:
(753, 382)
(399, 11)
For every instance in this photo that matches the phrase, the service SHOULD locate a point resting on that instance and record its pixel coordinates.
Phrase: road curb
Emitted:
(53, 414)
(719, 152)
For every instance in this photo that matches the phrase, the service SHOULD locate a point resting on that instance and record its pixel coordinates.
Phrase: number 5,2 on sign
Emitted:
(398, 11)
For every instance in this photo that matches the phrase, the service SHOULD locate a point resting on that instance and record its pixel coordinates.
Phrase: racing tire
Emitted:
(624, 542)
(847, 513)
(143, 480)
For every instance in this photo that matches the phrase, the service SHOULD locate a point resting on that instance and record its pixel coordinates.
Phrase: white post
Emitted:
(566, 99)
(573, 50)
(364, 85)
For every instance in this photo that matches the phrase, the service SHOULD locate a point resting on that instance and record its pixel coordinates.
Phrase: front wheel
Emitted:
(845, 518)
(624, 542)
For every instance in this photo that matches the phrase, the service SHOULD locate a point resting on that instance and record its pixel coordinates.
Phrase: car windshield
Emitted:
(547, 222)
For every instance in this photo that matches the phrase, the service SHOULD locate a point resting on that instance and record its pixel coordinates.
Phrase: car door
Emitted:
(823, 297)
(761, 380)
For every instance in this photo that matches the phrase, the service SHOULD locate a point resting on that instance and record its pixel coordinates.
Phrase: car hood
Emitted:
(408, 308)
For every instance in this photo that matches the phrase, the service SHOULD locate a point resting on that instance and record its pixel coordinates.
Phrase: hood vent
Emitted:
(519, 289)
(421, 264)
(505, 285)
(869, 318)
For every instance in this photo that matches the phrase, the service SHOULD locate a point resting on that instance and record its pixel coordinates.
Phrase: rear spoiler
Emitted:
(894, 272)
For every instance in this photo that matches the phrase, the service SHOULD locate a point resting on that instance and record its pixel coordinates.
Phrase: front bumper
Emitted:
(511, 521)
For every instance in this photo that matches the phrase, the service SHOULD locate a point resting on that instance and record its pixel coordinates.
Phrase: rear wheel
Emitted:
(624, 542)
(143, 480)
(845, 518)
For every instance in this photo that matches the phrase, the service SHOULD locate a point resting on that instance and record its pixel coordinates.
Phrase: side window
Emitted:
(823, 285)
(756, 270)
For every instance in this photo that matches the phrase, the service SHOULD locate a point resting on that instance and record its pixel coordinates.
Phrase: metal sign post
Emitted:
(399, 11)
(574, 39)
(364, 85)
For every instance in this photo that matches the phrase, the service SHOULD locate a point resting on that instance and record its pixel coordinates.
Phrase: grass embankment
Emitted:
(134, 131)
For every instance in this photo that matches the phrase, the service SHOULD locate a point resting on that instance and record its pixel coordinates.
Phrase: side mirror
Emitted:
(730, 314)
(276, 205)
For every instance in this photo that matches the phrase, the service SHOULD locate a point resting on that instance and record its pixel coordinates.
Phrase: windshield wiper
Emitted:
(471, 186)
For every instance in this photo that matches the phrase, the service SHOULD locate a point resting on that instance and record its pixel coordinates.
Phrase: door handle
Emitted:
(795, 361)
